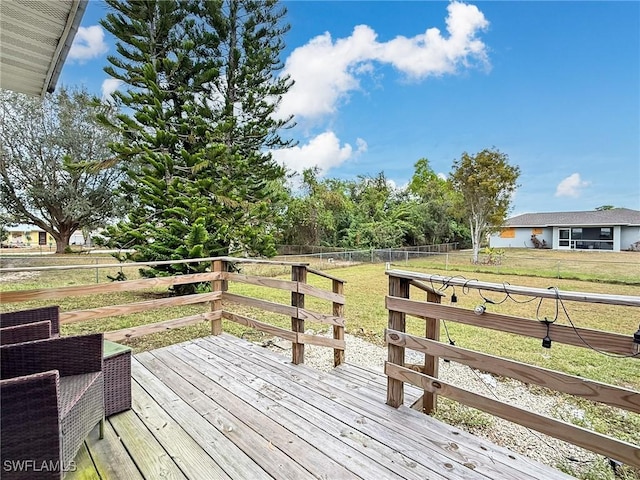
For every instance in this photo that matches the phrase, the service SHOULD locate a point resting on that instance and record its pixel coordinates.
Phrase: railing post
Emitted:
(298, 274)
(338, 330)
(398, 287)
(218, 286)
(431, 362)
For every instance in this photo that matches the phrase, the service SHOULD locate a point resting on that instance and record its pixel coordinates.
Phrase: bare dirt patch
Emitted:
(17, 276)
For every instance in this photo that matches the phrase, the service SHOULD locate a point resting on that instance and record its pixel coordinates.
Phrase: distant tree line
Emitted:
(472, 201)
(370, 212)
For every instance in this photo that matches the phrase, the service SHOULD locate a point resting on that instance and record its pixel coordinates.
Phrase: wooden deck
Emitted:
(221, 407)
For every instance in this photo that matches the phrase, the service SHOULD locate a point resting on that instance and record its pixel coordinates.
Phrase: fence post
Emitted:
(338, 330)
(431, 362)
(398, 287)
(298, 274)
(219, 266)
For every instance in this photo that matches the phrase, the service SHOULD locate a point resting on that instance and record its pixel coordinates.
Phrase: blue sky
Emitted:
(379, 85)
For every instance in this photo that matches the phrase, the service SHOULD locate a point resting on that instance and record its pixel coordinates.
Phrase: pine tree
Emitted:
(199, 180)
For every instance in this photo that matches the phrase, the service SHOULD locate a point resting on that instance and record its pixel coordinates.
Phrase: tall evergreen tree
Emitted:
(200, 115)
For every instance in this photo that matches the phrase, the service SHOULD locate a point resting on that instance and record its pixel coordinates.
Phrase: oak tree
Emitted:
(48, 146)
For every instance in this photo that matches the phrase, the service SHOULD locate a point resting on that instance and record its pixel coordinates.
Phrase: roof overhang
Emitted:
(571, 225)
(35, 38)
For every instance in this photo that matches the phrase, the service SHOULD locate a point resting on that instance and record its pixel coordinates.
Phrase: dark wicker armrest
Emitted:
(25, 333)
(21, 317)
(30, 420)
(69, 355)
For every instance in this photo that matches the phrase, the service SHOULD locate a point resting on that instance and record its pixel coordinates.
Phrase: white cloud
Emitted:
(394, 185)
(323, 151)
(571, 186)
(109, 86)
(326, 71)
(88, 43)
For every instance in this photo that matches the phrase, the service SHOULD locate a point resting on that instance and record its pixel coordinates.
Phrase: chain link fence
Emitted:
(622, 267)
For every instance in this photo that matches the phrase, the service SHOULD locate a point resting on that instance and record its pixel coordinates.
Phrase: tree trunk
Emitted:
(475, 240)
(62, 240)
(476, 249)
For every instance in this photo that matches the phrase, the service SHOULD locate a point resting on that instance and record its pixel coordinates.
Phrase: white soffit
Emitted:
(35, 38)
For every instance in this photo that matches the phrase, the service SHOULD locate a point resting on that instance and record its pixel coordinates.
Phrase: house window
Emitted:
(536, 231)
(606, 233)
(576, 233)
(508, 233)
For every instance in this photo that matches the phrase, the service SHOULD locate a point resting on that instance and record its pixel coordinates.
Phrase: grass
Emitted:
(607, 267)
(594, 266)
(366, 286)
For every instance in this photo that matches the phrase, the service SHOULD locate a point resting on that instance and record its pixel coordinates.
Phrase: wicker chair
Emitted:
(52, 396)
(28, 325)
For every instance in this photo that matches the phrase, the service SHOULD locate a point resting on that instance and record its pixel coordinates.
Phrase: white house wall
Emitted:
(522, 238)
(628, 236)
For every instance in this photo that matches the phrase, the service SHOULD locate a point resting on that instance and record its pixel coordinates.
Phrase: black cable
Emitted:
(466, 286)
(446, 329)
(504, 285)
(575, 329)
(546, 320)
(446, 284)
(493, 302)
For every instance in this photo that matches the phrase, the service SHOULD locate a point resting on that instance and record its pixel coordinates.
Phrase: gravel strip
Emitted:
(519, 439)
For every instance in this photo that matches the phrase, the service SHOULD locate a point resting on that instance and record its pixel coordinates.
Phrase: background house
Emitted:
(24, 235)
(616, 229)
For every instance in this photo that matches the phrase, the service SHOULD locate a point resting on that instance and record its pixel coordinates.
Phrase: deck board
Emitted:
(221, 407)
(340, 440)
(453, 458)
(208, 435)
(268, 443)
(184, 450)
(147, 452)
(298, 420)
(111, 460)
(299, 382)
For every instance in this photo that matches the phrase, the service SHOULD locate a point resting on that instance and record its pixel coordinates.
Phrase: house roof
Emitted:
(22, 228)
(615, 216)
(35, 38)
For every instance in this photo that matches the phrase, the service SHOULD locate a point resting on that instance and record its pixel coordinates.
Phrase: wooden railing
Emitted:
(399, 305)
(221, 274)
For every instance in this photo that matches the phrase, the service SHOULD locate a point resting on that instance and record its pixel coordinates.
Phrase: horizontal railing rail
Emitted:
(222, 272)
(399, 305)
